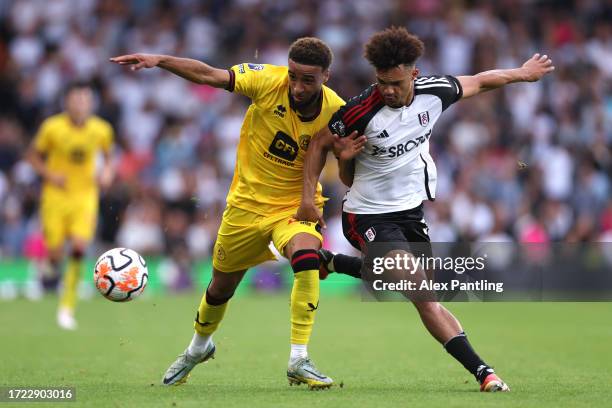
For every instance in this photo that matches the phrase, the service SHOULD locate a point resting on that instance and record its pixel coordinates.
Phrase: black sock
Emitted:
(460, 348)
(348, 265)
(51, 277)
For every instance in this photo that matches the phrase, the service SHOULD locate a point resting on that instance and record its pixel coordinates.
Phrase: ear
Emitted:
(326, 74)
(415, 73)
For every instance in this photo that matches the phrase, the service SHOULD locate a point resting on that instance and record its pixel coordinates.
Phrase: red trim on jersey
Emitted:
(347, 116)
(366, 103)
(305, 256)
(231, 84)
(365, 109)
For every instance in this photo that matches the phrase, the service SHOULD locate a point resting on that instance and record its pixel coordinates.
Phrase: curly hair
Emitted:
(392, 47)
(311, 51)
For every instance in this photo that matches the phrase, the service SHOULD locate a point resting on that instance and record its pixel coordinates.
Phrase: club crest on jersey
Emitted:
(424, 118)
(304, 141)
(370, 234)
(280, 111)
(220, 252)
(255, 67)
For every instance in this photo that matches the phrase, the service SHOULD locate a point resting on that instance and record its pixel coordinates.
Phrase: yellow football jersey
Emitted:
(72, 150)
(273, 140)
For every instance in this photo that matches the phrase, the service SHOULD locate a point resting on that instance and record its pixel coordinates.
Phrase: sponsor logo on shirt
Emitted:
(284, 146)
(400, 149)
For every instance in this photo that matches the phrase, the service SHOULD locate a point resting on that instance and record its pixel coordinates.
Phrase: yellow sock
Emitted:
(304, 304)
(71, 280)
(208, 317)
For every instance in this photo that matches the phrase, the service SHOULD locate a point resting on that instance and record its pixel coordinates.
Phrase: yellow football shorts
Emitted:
(244, 237)
(70, 216)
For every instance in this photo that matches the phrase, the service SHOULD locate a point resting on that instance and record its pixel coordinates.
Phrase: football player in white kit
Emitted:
(387, 129)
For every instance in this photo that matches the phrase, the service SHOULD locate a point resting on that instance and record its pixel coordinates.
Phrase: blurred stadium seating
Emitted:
(176, 140)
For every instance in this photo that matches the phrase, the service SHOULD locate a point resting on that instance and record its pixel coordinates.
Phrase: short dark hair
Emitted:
(77, 85)
(392, 47)
(311, 51)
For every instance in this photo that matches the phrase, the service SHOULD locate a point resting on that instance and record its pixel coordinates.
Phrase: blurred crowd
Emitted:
(529, 163)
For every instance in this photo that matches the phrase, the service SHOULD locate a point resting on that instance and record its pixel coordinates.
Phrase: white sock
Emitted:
(198, 344)
(298, 351)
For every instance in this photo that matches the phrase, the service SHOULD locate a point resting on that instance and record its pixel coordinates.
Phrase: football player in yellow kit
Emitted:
(289, 104)
(64, 153)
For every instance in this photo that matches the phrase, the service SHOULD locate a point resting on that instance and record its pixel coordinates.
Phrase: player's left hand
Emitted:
(310, 212)
(346, 148)
(536, 67)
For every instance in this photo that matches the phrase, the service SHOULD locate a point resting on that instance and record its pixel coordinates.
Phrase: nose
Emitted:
(388, 91)
(298, 90)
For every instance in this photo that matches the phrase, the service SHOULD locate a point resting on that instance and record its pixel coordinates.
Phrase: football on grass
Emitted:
(120, 274)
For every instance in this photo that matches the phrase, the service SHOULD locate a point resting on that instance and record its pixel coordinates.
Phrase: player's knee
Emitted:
(77, 253)
(300, 242)
(305, 260)
(55, 255)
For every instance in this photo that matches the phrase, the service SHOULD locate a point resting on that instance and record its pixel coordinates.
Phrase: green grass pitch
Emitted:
(551, 354)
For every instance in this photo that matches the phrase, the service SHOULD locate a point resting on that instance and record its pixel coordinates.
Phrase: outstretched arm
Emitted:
(532, 70)
(190, 69)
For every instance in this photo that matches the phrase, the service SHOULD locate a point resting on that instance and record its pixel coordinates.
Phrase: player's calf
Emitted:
(304, 305)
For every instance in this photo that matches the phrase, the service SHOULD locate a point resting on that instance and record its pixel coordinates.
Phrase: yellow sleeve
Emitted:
(254, 80)
(42, 140)
(337, 103)
(106, 141)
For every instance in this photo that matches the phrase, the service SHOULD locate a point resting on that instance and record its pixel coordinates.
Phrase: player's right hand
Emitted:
(56, 179)
(137, 61)
(310, 212)
(346, 148)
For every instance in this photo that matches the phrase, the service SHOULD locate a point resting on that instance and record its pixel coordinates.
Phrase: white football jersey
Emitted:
(394, 172)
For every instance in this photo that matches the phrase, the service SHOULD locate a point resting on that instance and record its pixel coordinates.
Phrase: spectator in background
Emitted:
(178, 140)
